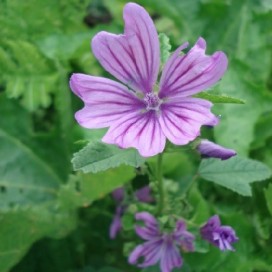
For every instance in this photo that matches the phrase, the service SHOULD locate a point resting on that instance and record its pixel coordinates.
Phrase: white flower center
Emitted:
(152, 101)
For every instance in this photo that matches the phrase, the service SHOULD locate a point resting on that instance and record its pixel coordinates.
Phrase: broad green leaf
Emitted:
(268, 197)
(83, 189)
(219, 98)
(263, 131)
(97, 156)
(235, 174)
(165, 47)
(236, 128)
(19, 228)
(25, 176)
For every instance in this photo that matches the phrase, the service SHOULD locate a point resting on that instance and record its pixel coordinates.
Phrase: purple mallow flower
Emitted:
(160, 247)
(143, 195)
(220, 236)
(137, 115)
(209, 149)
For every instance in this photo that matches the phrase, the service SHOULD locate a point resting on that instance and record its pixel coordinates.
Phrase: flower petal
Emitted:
(191, 73)
(116, 224)
(170, 258)
(208, 149)
(118, 194)
(144, 194)
(146, 233)
(139, 130)
(151, 228)
(183, 237)
(151, 251)
(181, 119)
(133, 58)
(105, 100)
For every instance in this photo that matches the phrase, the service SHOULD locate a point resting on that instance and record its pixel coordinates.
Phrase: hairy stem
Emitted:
(161, 201)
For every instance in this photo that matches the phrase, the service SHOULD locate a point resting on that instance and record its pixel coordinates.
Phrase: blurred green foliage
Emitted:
(52, 219)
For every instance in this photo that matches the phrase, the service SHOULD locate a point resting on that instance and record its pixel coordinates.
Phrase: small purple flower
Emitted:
(160, 246)
(137, 115)
(209, 149)
(143, 195)
(220, 236)
(118, 194)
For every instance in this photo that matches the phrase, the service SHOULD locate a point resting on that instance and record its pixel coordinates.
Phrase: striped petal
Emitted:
(151, 229)
(105, 100)
(151, 251)
(170, 258)
(133, 57)
(181, 119)
(185, 75)
(139, 130)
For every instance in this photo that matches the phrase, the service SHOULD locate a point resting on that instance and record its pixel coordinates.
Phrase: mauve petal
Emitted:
(116, 225)
(183, 237)
(181, 119)
(151, 251)
(209, 149)
(118, 194)
(193, 72)
(148, 219)
(147, 233)
(144, 194)
(180, 227)
(105, 100)
(134, 57)
(214, 222)
(170, 258)
(140, 130)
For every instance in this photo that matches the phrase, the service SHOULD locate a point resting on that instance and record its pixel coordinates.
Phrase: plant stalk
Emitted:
(161, 201)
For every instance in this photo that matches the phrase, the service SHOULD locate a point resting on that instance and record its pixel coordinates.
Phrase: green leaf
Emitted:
(236, 128)
(20, 228)
(268, 197)
(97, 156)
(219, 98)
(86, 188)
(235, 174)
(25, 176)
(52, 46)
(165, 47)
(33, 81)
(200, 205)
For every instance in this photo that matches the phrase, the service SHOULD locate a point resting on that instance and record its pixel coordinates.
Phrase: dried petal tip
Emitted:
(209, 149)
(220, 236)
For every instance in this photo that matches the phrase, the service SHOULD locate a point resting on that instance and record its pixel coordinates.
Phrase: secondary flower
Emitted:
(159, 246)
(137, 115)
(143, 195)
(209, 149)
(220, 236)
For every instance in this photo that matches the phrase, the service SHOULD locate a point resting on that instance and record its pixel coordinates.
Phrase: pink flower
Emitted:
(159, 246)
(137, 115)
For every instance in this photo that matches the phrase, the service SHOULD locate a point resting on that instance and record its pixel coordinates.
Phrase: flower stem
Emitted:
(160, 184)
